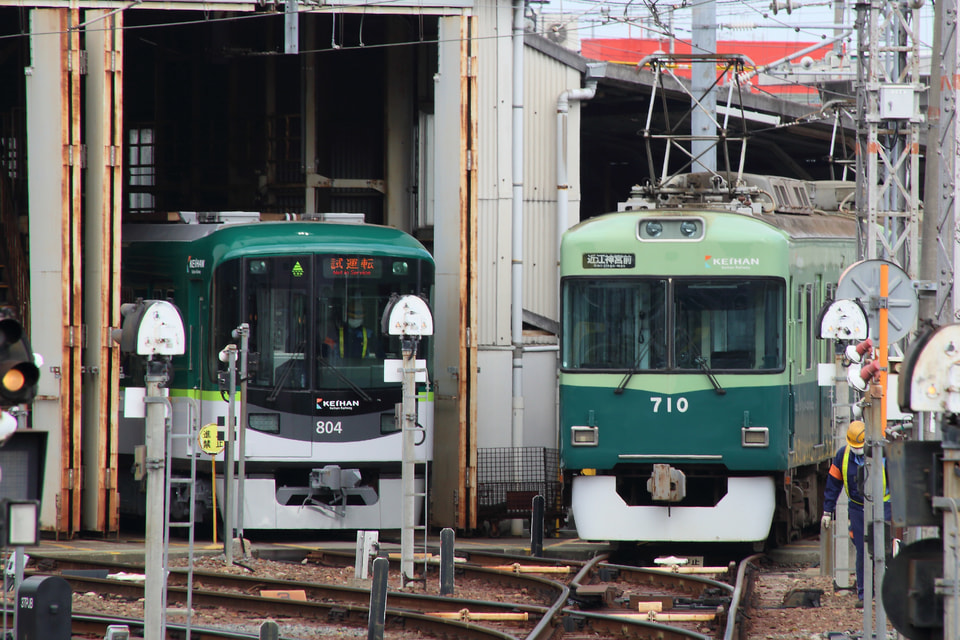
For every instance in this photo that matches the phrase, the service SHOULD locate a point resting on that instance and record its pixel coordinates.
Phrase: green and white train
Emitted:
(323, 449)
(689, 403)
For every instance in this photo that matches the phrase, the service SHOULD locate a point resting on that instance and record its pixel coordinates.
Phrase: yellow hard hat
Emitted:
(855, 434)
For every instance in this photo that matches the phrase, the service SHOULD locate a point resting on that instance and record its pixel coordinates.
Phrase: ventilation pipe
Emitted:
(516, 266)
(595, 71)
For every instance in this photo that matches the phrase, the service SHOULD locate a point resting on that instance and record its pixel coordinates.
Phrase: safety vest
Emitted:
(846, 486)
(363, 351)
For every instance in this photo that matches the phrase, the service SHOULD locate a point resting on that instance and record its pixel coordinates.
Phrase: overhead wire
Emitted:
(587, 16)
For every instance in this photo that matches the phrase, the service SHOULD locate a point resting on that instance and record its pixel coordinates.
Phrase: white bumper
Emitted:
(743, 515)
(261, 510)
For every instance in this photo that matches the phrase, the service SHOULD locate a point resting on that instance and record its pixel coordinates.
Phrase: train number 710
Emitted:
(680, 405)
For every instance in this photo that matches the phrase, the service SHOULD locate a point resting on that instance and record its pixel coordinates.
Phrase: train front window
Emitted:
(277, 306)
(315, 319)
(728, 325)
(614, 324)
(351, 294)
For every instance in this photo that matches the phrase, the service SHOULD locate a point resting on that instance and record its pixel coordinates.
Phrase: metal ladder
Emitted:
(190, 436)
(413, 430)
(421, 432)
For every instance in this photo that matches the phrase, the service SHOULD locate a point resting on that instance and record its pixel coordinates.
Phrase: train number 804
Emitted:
(328, 427)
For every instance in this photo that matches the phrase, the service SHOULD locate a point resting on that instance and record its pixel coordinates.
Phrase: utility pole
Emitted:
(888, 210)
(243, 334)
(228, 355)
(703, 116)
(947, 306)
(944, 204)
(155, 439)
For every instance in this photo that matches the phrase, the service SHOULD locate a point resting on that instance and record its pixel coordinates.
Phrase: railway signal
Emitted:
(18, 371)
(154, 329)
(410, 318)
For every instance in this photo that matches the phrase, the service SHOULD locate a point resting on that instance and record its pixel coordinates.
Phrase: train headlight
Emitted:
(688, 228)
(583, 436)
(654, 228)
(265, 422)
(754, 437)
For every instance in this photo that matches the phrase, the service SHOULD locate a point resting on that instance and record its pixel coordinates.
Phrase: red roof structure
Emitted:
(756, 53)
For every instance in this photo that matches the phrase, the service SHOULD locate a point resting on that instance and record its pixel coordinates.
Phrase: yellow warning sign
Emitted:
(209, 439)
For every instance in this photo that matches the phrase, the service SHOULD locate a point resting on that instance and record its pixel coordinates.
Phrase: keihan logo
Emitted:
(730, 263)
(194, 264)
(337, 405)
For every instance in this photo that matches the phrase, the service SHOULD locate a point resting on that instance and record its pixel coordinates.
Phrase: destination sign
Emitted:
(609, 260)
(351, 266)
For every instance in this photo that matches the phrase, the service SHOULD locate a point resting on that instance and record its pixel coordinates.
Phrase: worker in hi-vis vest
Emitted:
(354, 339)
(847, 473)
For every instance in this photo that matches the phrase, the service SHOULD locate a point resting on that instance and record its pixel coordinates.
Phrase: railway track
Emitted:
(524, 598)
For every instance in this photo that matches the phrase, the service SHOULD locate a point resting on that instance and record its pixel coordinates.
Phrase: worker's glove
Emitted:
(825, 521)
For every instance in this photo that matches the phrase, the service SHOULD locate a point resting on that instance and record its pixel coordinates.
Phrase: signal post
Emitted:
(154, 329)
(408, 317)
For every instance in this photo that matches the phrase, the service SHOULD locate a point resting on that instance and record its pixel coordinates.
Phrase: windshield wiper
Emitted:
(287, 370)
(350, 383)
(631, 371)
(702, 364)
(699, 360)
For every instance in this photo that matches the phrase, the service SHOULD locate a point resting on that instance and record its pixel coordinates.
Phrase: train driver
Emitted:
(355, 339)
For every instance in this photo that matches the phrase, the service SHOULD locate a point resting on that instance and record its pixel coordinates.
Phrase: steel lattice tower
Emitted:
(888, 132)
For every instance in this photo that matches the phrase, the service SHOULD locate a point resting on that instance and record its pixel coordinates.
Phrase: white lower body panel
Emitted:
(262, 511)
(743, 515)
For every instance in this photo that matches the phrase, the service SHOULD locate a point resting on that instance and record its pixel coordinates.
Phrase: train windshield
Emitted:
(647, 324)
(723, 325)
(615, 324)
(315, 319)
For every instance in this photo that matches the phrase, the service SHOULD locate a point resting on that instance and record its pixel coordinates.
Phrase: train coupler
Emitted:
(667, 484)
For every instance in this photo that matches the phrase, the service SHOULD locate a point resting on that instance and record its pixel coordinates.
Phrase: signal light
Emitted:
(18, 371)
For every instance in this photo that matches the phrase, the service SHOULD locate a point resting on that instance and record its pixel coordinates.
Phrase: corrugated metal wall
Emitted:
(494, 179)
(544, 80)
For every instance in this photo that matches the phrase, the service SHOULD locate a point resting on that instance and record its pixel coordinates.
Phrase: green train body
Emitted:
(323, 449)
(689, 402)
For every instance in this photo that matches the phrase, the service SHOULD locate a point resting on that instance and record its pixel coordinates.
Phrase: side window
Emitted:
(821, 297)
(807, 327)
(805, 330)
(226, 312)
(141, 170)
(798, 331)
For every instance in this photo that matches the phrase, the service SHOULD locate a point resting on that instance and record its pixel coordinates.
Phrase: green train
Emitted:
(322, 447)
(689, 403)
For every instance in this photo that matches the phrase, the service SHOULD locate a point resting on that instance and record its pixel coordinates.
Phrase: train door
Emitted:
(808, 392)
(823, 401)
(189, 414)
(795, 363)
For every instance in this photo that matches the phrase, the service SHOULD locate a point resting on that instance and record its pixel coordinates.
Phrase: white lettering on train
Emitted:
(680, 404)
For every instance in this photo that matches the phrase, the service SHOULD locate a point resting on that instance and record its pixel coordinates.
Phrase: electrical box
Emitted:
(913, 478)
(896, 102)
(44, 609)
